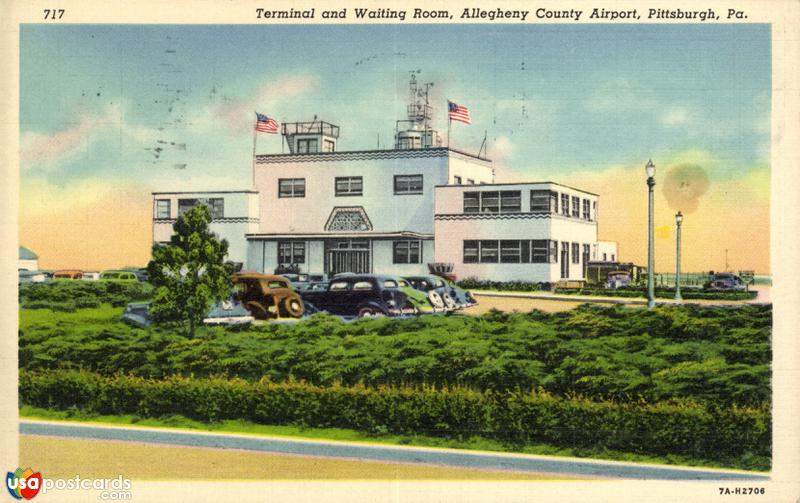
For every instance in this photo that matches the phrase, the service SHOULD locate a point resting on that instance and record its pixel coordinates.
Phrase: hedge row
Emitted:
(514, 417)
(66, 295)
(508, 286)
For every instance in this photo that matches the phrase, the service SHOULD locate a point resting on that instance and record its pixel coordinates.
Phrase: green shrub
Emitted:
(509, 286)
(60, 292)
(516, 417)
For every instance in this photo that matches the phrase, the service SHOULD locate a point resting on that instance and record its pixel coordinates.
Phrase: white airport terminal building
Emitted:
(394, 211)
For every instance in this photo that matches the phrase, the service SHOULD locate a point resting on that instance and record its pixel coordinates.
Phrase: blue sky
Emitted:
(551, 98)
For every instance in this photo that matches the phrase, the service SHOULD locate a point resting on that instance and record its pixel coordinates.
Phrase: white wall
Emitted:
(469, 169)
(609, 248)
(240, 217)
(29, 265)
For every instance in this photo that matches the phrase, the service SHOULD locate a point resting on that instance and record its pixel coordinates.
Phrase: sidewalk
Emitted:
(762, 298)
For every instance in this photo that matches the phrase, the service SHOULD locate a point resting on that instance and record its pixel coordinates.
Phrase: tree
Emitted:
(189, 273)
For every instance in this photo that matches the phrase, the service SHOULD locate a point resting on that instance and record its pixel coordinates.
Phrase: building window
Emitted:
(162, 208)
(456, 179)
(540, 251)
(510, 251)
(349, 186)
(292, 187)
(586, 210)
(472, 203)
(291, 252)
(488, 252)
(408, 184)
(510, 201)
(490, 202)
(553, 252)
(408, 252)
(576, 258)
(613, 258)
(576, 207)
(585, 254)
(565, 204)
(328, 146)
(470, 181)
(307, 146)
(594, 210)
(544, 201)
(470, 252)
(215, 204)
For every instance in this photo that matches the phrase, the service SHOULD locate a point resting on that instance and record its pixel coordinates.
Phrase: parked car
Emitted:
(422, 301)
(123, 276)
(725, 281)
(90, 276)
(68, 274)
(26, 276)
(228, 312)
(361, 295)
(618, 279)
(137, 314)
(452, 296)
(267, 296)
(140, 273)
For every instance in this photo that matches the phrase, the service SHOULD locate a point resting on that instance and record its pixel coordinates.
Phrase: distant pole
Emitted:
(255, 135)
(449, 121)
(650, 170)
(678, 222)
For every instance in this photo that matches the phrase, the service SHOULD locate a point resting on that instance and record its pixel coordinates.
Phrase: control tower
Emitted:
(310, 137)
(415, 131)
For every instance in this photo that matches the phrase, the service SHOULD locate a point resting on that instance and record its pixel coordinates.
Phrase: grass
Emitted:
(346, 435)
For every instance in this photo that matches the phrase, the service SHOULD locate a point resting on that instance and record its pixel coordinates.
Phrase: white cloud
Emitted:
(48, 150)
(238, 114)
(675, 116)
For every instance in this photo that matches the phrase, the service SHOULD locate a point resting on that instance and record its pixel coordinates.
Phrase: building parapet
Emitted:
(339, 235)
(513, 185)
(362, 155)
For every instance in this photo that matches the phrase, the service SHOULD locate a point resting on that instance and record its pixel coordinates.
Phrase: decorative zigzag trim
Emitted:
(224, 220)
(504, 216)
(353, 156)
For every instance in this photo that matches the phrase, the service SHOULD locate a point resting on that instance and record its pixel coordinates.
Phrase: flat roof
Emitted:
(339, 235)
(248, 191)
(513, 184)
(366, 155)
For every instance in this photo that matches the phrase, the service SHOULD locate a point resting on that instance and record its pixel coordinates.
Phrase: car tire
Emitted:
(449, 303)
(258, 310)
(293, 307)
(369, 312)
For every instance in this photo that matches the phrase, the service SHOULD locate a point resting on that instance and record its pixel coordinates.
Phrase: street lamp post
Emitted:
(678, 222)
(650, 170)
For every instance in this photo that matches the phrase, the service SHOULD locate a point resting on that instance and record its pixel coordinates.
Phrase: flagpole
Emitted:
(255, 135)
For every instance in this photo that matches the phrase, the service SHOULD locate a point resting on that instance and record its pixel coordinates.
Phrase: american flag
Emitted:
(265, 124)
(458, 113)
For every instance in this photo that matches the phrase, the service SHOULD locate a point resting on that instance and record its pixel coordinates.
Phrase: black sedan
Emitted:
(361, 295)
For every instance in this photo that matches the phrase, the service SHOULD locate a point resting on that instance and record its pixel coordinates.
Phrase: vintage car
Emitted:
(361, 295)
(267, 296)
(452, 296)
(26, 276)
(228, 312)
(425, 302)
(725, 281)
(90, 276)
(68, 274)
(618, 279)
(137, 314)
(122, 276)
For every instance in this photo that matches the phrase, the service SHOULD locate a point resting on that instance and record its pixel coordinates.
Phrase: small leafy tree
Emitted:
(189, 273)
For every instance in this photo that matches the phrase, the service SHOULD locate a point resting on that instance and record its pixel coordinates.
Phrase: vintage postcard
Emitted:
(443, 251)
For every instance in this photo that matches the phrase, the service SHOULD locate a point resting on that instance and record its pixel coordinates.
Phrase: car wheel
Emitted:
(449, 303)
(293, 306)
(257, 310)
(369, 312)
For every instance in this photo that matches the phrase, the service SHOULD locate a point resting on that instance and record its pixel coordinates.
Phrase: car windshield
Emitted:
(363, 286)
(110, 275)
(438, 283)
(276, 284)
(403, 283)
(339, 286)
(390, 284)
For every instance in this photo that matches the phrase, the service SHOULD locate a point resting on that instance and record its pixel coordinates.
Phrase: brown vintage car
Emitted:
(68, 274)
(267, 296)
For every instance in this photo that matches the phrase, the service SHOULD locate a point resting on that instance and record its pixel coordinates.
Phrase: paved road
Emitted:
(420, 455)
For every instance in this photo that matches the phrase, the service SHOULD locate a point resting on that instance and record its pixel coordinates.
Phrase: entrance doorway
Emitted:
(347, 255)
